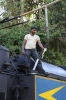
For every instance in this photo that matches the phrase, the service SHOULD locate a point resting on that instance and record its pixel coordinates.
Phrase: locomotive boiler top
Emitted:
(19, 60)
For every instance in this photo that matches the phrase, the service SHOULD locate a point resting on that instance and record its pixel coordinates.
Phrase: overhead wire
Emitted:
(13, 25)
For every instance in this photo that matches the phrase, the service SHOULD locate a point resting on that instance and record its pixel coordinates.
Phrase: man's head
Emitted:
(33, 29)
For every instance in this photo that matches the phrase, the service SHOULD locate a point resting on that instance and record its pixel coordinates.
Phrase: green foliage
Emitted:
(12, 39)
(56, 58)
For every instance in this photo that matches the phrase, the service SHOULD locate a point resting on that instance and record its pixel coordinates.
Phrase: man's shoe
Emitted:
(46, 74)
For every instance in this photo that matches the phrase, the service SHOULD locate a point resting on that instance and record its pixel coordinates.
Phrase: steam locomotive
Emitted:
(17, 82)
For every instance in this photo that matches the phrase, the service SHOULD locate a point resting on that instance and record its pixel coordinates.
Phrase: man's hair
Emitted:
(33, 27)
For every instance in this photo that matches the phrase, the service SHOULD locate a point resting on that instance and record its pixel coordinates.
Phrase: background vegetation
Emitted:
(12, 37)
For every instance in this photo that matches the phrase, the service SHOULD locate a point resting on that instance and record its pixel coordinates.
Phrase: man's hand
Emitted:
(23, 52)
(44, 50)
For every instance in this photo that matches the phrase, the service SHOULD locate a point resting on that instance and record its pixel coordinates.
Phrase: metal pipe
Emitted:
(47, 30)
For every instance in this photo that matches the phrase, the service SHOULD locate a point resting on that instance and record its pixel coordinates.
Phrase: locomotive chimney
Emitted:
(4, 55)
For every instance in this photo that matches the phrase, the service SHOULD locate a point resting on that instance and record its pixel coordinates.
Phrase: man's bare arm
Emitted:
(23, 46)
(40, 44)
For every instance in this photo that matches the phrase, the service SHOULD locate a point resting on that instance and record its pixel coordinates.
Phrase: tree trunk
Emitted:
(22, 10)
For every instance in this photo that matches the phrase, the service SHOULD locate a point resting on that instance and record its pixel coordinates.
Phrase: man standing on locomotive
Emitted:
(29, 48)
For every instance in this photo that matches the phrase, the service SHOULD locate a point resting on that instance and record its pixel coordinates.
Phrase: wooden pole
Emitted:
(47, 5)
